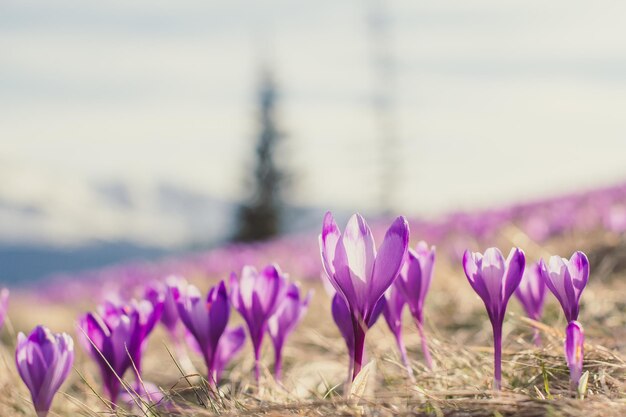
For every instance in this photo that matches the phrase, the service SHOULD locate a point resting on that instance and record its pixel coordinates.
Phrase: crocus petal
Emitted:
(574, 350)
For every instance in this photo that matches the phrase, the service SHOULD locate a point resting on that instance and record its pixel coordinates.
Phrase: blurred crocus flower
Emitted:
(567, 280)
(4, 305)
(359, 274)
(109, 337)
(204, 319)
(574, 351)
(414, 282)
(394, 304)
(229, 345)
(289, 313)
(163, 293)
(531, 293)
(257, 296)
(44, 361)
(495, 280)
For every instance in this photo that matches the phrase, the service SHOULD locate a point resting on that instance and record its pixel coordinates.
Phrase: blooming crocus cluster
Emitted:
(257, 296)
(44, 361)
(531, 293)
(289, 313)
(359, 273)
(414, 282)
(115, 338)
(495, 280)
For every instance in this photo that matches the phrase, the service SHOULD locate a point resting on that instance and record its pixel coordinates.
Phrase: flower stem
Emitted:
(403, 355)
(497, 355)
(359, 348)
(278, 363)
(425, 351)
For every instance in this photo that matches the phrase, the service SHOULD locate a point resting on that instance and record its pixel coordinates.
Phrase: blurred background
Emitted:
(145, 128)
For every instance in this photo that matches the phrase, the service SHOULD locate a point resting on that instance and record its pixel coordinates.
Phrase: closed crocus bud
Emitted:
(359, 273)
(414, 282)
(109, 337)
(567, 280)
(44, 361)
(495, 280)
(394, 304)
(257, 296)
(531, 293)
(205, 319)
(170, 317)
(284, 321)
(4, 305)
(574, 351)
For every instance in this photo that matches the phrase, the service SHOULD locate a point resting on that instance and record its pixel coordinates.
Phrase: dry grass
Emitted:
(535, 379)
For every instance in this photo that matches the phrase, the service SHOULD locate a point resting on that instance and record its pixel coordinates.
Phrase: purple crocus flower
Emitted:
(109, 337)
(343, 319)
(44, 361)
(414, 282)
(284, 321)
(4, 305)
(394, 304)
(228, 347)
(574, 351)
(257, 296)
(205, 320)
(567, 280)
(360, 274)
(495, 280)
(531, 293)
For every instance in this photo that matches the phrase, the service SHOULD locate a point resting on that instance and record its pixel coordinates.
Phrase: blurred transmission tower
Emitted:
(384, 79)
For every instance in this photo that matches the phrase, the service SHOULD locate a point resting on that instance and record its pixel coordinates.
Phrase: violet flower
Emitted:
(394, 304)
(228, 347)
(531, 293)
(111, 337)
(257, 296)
(360, 274)
(284, 321)
(567, 280)
(414, 282)
(574, 351)
(44, 361)
(205, 320)
(4, 305)
(495, 280)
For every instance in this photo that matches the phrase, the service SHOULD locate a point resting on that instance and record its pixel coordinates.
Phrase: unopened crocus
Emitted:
(567, 280)
(289, 313)
(257, 296)
(111, 337)
(495, 280)
(205, 319)
(4, 305)
(394, 304)
(414, 282)
(574, 351)
(531, 293)
(163, 292)
(44, 361)
(359, 273)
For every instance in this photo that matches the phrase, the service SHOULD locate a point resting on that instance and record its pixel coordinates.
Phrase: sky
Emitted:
(492, 102)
